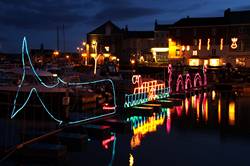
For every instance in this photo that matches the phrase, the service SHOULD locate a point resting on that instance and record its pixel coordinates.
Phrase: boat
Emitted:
(33, 92)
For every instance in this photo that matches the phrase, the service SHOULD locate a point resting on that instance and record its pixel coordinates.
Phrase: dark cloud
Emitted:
(184, 9)
(3, 39)
(246, 7)
(124, 13)
(38, 14)
(106, 3)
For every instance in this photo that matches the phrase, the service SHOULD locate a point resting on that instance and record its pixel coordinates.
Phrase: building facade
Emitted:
(214, 41)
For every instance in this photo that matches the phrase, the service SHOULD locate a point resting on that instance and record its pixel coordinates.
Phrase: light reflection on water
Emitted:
(203, 110)
(203, 125)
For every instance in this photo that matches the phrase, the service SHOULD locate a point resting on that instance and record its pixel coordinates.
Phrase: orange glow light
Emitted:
(219, 110)
(234, 43)
(231, 113)
(221, 44)
(208, 44)
(199, 46)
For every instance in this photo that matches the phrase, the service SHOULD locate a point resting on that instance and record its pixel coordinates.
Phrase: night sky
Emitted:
(38, 19)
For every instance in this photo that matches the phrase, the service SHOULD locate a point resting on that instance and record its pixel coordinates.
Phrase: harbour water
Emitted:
(211, 128)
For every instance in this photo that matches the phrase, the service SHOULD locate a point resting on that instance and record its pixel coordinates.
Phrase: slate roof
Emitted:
(101, 29)
(202, 21)
(230, 18)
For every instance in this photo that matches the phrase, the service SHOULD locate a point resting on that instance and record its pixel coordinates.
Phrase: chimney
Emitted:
(126, 28)
(156, 23)
(227, 12)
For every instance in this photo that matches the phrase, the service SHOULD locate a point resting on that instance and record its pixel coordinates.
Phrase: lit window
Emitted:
(188, 47)
(194, 62)
(205, 62)
(183, 48)
(195, 52)
(214, 62)
(107, 48)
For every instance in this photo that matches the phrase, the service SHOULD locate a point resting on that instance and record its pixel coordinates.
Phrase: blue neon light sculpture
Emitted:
(59, 81)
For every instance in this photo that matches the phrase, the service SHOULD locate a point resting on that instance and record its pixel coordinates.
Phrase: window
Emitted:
(213, 52)
(178, 33)
(195, 42)
(195, 52)
(213, 32)
(195, 32)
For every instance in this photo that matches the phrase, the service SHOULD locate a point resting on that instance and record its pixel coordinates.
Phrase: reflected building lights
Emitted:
(179, 110)
(168, 122)
(131, 160)
(142, 126)
(106, 142)
(187, 102)
(231, 113)
(198, 109)
(219, 110)
(194, 102)
(205, 107)
(213, 95)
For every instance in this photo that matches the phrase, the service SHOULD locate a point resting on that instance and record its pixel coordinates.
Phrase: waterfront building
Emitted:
(106, 40)
(212, 41)
(137, 45)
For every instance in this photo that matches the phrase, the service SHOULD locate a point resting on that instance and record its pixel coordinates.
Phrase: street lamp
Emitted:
(83, 50)
(96, 56)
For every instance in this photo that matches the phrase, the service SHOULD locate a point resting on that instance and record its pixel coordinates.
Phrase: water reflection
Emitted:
(231, 113)
(131, 160)
(219, 110)
(204, 110)
(187, 103)
(213, 94)
(143, 125)
(168, 121)
(205, 107)
(201, 113)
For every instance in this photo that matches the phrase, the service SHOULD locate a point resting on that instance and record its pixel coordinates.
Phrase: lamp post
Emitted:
(85, 52)
(96, 56)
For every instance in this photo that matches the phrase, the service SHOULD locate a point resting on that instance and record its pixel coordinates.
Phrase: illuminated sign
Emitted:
(199, 46)
(59, 82)
(188, 84)
(221, 44)
(208, 44)
(234, 43)
(145, 91)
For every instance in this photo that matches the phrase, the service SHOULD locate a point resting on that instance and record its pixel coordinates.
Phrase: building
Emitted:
(214, 41)
(137, 45)
(106, 39)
